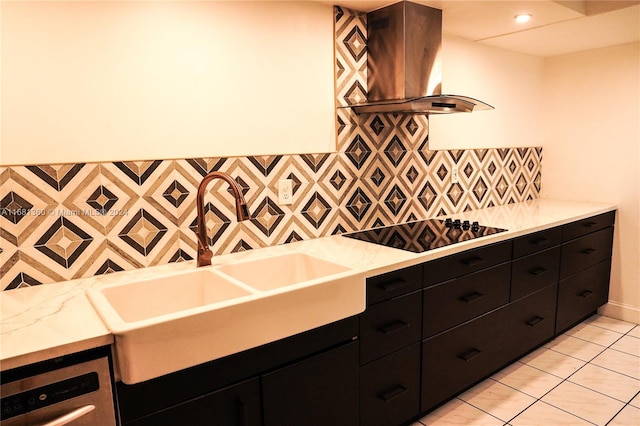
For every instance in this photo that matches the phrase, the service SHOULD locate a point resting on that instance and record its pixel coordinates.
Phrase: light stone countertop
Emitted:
(47, 321)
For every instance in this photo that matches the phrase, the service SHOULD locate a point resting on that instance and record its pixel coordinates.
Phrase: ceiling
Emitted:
(556, 27)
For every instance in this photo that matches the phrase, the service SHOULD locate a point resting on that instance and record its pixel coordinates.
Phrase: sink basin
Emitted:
(281, 271)
(154, 298)
(175, 321)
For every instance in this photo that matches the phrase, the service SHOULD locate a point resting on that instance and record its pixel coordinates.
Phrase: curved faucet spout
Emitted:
(242, 213)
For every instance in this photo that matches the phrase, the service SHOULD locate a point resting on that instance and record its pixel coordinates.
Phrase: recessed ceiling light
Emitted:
(522, 18)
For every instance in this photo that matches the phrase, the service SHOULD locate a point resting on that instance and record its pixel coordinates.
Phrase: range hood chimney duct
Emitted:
(404, 44)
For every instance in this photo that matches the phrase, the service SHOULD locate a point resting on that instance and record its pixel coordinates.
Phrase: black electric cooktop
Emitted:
(424, 235)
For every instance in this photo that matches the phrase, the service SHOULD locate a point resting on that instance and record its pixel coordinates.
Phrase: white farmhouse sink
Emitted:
(172, 322)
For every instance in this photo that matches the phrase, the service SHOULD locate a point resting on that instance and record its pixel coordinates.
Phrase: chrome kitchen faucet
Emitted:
(242, 213)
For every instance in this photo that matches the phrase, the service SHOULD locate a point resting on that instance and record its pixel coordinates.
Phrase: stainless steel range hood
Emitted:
(404, 63)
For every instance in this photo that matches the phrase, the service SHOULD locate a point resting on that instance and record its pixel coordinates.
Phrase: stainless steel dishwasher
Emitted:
(75, 390)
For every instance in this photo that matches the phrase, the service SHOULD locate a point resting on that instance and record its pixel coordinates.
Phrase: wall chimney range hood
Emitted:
(404, 63)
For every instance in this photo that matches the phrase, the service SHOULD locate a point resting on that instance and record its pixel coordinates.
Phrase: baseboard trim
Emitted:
(621, 311)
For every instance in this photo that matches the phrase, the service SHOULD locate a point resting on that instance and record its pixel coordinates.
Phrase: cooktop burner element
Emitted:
(424, 235)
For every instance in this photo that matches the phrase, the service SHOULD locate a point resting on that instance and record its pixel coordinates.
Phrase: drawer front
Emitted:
(532, 321)
(582, 293)
(457, 359)
(587, 226)
(534, 272)
(390, 389)
(389, 326)
(537, 241)
(454, 302)
(392, 284)
(467, 262)
(585, 251)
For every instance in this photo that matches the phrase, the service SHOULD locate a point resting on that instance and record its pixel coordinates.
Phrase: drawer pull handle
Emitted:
(472, 296)
(473, 261)
(392, 393)
(585, 293)
(535, 321)
(538, 271)
(540, 241)
(471, 354)
(590, 224)
(394, 327)
(393, 285)
(589, 251)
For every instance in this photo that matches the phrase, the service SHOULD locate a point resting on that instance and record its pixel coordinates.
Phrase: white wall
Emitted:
(509, 81)
(100, 81)
(591, 150)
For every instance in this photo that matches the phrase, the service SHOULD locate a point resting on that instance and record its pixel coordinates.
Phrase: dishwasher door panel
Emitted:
(61, 396)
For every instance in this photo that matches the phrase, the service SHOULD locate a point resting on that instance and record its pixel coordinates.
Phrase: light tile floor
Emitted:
(590, 375)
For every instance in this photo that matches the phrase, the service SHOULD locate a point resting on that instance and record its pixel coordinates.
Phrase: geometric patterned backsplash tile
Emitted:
(68, 221)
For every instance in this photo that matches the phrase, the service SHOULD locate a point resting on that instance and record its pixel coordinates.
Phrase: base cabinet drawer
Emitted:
(390, 388)
(588, 225)
(466, 262)
(586, 251)
(389, 326)
(456, 359)
(537, 241)
(393, 284)
(582, 294)
(531, 321)
(535, 272)
(453, 302)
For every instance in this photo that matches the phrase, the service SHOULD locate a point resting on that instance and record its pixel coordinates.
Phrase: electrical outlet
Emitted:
(454, 174)
(285, 192)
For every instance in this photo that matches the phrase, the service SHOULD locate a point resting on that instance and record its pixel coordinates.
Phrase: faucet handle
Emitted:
(204, 256)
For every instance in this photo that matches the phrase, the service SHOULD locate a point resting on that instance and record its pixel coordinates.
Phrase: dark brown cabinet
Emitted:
(429, 332)
(390, 388)
(478, 319)
(454, 360)
(313, 375)
(585, 266)
(389, 326)
(534, 272)
(235, 405)
(322, 390)
(390, 332)
(453, 302)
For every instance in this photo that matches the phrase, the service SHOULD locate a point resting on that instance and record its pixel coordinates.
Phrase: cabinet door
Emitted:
(390, 388)
(236, 405)
(321, 390)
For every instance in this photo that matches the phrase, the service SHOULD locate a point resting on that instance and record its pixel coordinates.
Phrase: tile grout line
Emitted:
(588, 363)
(566, 379)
